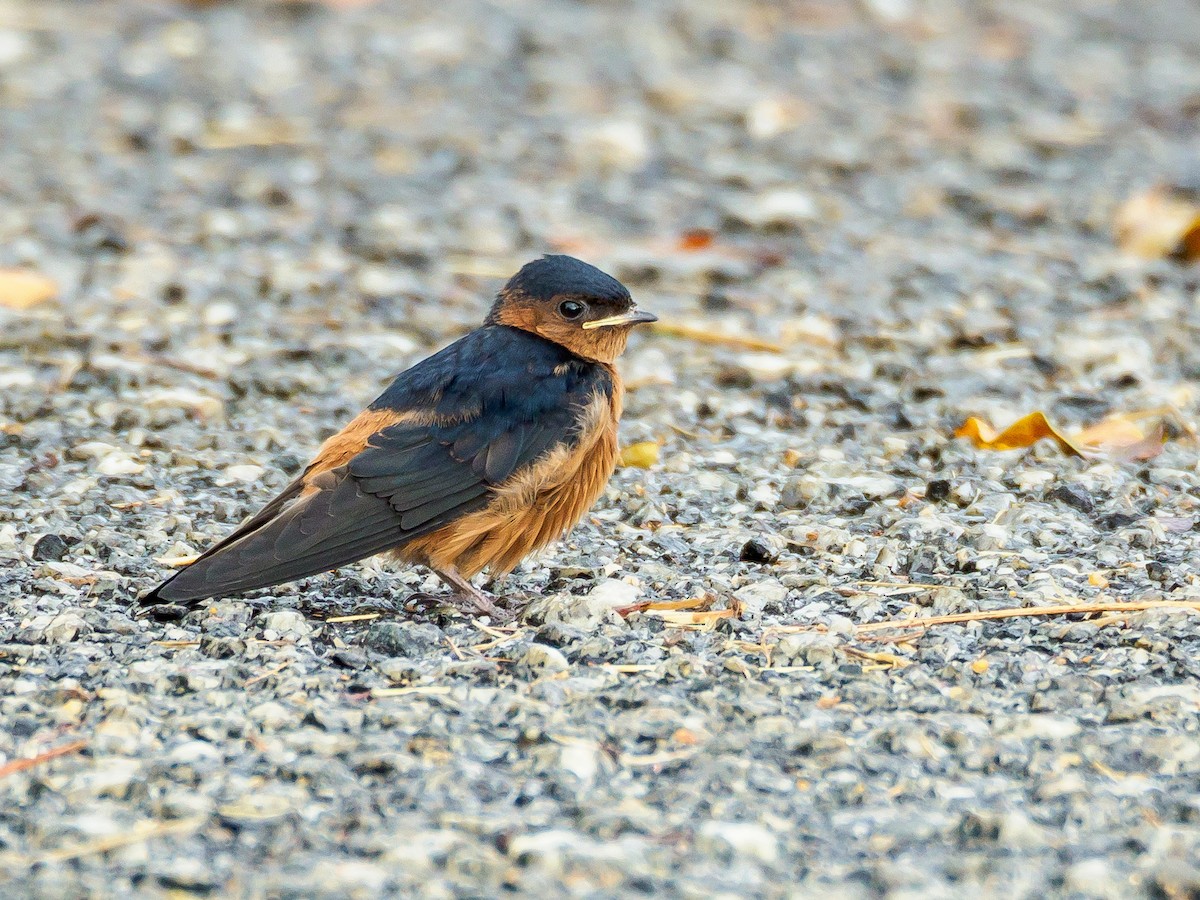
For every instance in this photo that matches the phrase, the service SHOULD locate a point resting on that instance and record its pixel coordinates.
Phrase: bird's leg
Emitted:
(467, 591)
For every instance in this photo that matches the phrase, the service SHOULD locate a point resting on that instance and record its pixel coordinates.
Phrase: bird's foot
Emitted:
(473, 599)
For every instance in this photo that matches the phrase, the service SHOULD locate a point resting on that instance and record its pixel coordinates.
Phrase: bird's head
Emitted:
(571, 303)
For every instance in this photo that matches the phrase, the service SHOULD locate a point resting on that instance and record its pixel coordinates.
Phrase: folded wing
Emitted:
(461, 430)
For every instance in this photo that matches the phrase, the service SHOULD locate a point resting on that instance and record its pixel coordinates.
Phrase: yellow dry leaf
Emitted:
(1157, 224)
(641, 455)
(22, 289)
(1118, 437)
(1025, 432)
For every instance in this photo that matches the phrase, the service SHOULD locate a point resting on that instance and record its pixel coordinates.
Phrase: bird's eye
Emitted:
(571, 309)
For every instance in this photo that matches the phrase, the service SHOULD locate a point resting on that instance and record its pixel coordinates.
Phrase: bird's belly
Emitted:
(526, 515)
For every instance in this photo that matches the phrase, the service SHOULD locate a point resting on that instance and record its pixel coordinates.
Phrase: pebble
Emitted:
(245, 473)
(737, 840)
(49, 547)
(284, 624)
(405, 639)
(64, 628)
(761, 594)
(780, 207)
(760, 550)
(805, 648)
(543, 657)
(855, 238)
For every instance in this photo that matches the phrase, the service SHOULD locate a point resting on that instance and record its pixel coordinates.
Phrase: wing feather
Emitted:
(522, 397)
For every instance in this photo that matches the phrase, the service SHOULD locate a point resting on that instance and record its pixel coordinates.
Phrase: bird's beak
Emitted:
(632, 317)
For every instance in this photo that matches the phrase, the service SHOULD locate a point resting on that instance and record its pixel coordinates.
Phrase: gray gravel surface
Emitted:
(256, 213)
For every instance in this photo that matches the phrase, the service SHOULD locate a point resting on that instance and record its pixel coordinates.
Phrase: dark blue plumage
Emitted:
(471, 459)
(506, 397)
(556, 275)
(494, 359)
(501, 397)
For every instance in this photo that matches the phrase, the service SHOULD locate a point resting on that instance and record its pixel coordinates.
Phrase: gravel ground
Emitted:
(256, 213)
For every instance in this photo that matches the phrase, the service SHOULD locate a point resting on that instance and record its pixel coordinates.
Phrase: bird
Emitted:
(472, 459)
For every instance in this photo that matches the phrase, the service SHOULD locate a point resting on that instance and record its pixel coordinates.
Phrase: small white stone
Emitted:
(112, 779)
(191, 752)
(755, 597)
(14, 47)
(64, 627)
(285, 623)
(612, 594)
(805, 648)
(779, 207)
(841, 625)
(873, 487)
(540, 656)
(119, 464)
(93, 450)
(1042, 727)
(581, 759)
(738, 839)
(218, 314)
(544, 848)
(1094, 878)
(245, 473)
(618, 144)
(202, 405)
(271, 715)
(769, 117)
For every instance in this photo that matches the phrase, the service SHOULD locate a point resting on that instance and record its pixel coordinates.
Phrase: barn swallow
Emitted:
(472, 459)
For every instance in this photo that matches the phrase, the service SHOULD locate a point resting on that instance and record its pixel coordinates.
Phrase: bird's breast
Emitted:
(537, 505)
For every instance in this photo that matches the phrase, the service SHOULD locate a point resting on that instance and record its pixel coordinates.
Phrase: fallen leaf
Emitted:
(1122, 439)
(21, 289)
(641, 455)
(1025, 432)
(1159, 223)
(696, 239)
(685, 736)
(1117, 437)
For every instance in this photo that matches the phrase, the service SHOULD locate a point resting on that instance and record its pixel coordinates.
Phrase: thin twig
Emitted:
(429, 689)
(144, 831)
(20, 765)
(358, 617)
(712, 336)
(265, 675)
(454, 647)
(1015, 612)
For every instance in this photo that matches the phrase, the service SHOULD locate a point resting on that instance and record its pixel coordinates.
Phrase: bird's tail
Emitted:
(308, 529)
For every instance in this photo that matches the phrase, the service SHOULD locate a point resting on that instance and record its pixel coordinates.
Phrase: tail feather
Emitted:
(297, 535)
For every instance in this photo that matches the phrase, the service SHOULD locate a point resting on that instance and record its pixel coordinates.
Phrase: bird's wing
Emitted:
(453, 439)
